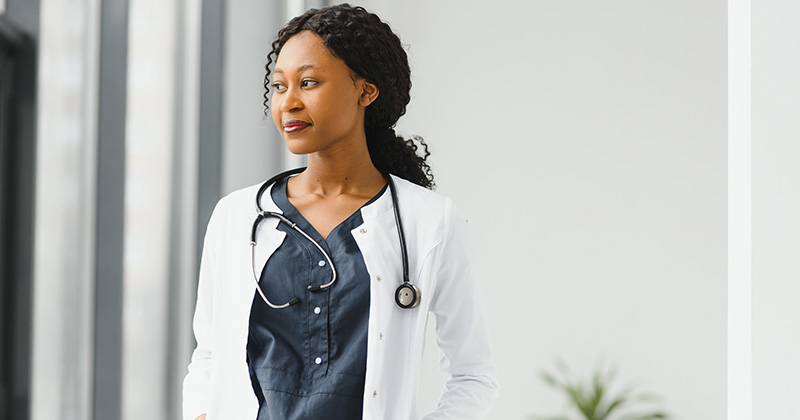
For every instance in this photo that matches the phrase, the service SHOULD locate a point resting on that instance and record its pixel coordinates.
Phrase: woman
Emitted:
(318, 310)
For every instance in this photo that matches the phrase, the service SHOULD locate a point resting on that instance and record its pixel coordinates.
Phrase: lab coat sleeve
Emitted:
(196, 384)
(461, 328)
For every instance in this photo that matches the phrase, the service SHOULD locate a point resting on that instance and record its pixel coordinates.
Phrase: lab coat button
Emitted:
(374, 394)
(317, 310)
(381, 336)
(379, 278)
(363, 230)
(321, 263)
(318, 360)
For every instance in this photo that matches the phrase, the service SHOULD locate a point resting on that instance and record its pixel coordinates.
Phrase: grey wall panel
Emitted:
(110, 209)
(211, 108)
(252, 147)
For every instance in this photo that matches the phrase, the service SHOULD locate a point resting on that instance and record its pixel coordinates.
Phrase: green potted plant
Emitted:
(598, 399)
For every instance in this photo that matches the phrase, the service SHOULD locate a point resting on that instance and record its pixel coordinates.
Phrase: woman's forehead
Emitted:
(303, 51)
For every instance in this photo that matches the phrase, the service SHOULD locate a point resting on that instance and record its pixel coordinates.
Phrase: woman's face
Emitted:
(318, 103)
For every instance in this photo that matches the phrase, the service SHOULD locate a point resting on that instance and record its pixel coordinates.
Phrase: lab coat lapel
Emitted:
(268, 237)
(378, 241)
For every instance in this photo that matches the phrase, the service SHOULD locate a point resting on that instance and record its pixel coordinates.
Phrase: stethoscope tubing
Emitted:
(405, 288)
(400, 235)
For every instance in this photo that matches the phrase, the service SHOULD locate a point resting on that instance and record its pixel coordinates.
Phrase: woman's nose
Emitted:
(291, 100)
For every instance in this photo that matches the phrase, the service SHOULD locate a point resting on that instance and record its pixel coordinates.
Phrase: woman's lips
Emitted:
(294, 126)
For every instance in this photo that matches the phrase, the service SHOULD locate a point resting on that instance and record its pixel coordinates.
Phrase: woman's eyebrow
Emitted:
(302, 68)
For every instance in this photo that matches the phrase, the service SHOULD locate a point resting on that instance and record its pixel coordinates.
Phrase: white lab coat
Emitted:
(441, 266)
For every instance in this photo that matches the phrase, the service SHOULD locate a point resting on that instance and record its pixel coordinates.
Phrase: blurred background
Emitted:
(630, 178)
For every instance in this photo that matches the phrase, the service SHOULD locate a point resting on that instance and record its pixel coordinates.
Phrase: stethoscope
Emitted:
(406, 296)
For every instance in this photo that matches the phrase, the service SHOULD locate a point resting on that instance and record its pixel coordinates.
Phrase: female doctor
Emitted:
(316, 287)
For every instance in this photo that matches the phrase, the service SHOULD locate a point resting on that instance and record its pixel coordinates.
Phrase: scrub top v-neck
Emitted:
(308, 361)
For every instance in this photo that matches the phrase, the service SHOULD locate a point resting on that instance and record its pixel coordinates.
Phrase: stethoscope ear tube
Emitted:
(271, 181)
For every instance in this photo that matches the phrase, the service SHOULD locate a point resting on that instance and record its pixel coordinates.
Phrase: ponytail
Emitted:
(393, 154)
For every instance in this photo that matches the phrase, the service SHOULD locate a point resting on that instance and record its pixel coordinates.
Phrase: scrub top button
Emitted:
(321, 263)
(318, 360)
(317, 310)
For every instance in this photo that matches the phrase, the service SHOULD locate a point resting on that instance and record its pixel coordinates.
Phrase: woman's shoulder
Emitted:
(428, 209)
(428, 213)
(416, 195)
(236, 204)
(246, 194)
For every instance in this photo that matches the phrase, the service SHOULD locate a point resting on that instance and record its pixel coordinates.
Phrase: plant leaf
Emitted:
(648, 398)
(551, 380)
(598, 391)
(591, 397)
(563, 368)
(651, 416)
(580, 399)
(617, 403)
(548, 418)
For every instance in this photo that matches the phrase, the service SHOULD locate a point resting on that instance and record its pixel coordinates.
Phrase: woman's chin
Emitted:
(299, 147)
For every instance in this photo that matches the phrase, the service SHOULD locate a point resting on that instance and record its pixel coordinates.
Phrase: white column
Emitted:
(740, 372)
(63, 293)
(150, 127)
(183, 261)
(776, 204)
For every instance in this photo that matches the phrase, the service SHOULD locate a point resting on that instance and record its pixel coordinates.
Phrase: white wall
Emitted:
(595, 136)
(776, 204)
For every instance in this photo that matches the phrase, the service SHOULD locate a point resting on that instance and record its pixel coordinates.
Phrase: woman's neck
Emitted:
(329, 175)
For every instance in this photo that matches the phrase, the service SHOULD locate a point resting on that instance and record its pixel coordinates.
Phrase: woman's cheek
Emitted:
(276, 119)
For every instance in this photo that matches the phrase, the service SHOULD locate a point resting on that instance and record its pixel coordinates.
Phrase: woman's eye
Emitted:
(278, 87)
(308, 83)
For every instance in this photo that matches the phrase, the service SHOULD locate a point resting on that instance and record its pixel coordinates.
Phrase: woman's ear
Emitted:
(369, 92)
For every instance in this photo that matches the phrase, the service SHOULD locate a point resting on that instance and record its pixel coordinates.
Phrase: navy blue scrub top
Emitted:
(308, 361)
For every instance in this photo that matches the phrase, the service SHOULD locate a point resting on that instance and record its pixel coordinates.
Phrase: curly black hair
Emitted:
(374, 52)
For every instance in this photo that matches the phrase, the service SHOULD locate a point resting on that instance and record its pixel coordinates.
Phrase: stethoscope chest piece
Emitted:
(407, 296)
